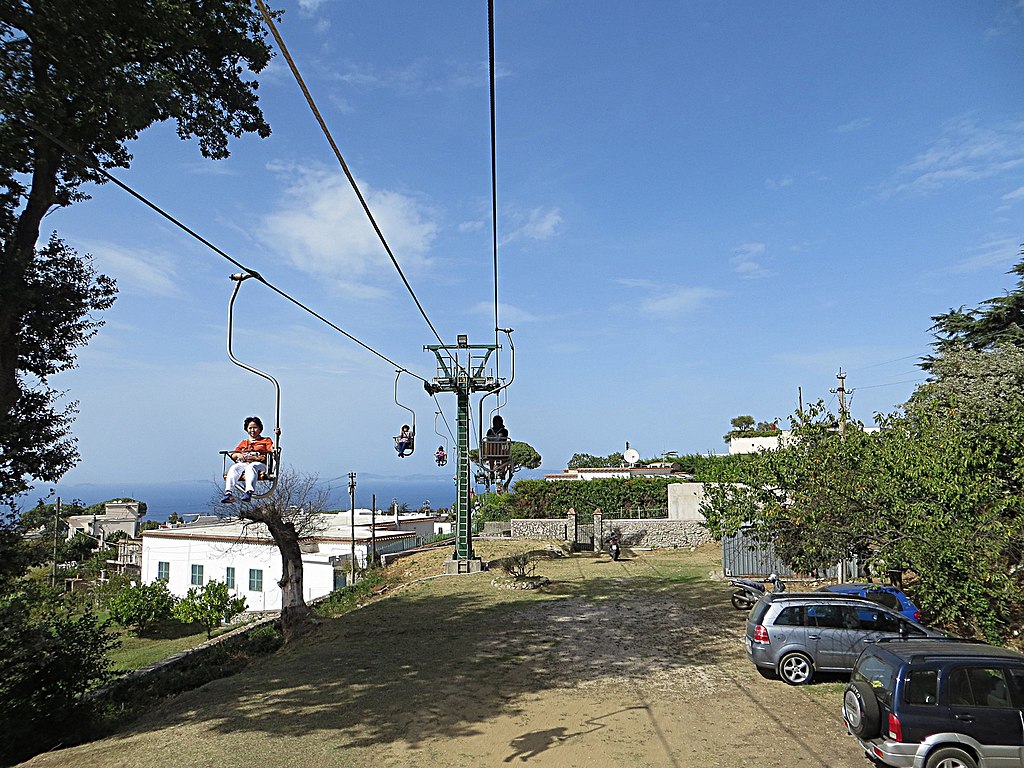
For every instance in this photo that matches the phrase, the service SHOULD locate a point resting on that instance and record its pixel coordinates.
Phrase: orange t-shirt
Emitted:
(263, 446)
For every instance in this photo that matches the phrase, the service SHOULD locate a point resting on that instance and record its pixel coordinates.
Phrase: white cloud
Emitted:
(854, 125)
(1016, 194)
(508, 314)
(136, 269)
(321, 228)
(1000, 252)
(746, 260)
(780, 183)
(471, 226)
(964, 152)
(666, 300)
(535, 224)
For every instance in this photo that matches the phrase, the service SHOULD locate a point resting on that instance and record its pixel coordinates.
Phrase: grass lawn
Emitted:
(158, 643)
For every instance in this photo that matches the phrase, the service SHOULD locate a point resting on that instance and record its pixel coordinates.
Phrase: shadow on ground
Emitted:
(438, 658)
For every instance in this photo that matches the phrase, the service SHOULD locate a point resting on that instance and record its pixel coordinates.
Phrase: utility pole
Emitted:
(460, 369)
(56, 517)
(800, 401)
(352, 518)
(841, 391)
(373, 527)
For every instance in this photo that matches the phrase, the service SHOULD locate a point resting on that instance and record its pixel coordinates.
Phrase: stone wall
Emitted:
(655, 534)
(541, 529)
(658, 534)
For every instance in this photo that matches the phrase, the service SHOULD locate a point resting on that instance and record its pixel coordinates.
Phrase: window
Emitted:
(255, 580)
(978, 687)
(922, 687)
(197, 575)
(790, 617)
(878, 621)
(887, 599)
(879, 673)
(827, 616)
(229, 577)
(163, 571)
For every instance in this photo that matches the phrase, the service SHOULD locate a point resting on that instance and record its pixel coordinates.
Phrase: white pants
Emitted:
(246, 471)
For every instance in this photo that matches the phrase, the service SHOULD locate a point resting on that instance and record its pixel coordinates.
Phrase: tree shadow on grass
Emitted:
(438, 659)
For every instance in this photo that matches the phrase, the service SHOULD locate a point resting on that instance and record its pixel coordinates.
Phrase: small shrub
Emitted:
(518, 565)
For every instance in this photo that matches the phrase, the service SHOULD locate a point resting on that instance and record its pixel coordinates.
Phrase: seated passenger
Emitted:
(404, 441)
(250, 458)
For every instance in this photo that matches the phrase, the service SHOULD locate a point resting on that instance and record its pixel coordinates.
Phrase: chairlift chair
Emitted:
(266, 480)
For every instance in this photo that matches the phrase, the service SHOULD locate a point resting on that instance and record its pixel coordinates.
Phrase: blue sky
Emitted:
(703, 207)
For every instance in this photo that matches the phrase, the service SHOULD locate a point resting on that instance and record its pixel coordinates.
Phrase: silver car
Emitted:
(795, 634)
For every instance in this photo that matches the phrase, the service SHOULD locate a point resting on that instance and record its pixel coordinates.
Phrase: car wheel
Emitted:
(950, 757)
(860, 710)
(741, 603)
(796, 668)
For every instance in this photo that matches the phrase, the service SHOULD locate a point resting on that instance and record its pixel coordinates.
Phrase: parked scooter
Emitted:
(749, 591)
(613, 547)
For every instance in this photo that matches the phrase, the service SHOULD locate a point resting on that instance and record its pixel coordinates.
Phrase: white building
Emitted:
(621, 473)
(244, 555)
(117, 516)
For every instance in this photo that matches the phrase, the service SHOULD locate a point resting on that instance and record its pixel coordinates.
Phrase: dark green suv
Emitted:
(938, 703)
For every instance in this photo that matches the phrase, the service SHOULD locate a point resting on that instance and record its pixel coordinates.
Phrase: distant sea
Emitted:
(199, 497)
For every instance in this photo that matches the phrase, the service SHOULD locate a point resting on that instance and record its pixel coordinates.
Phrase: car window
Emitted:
(910, 630)
(790, 616)
(888, 599)
(1015, 677)
(878, 621)
(979, 687)
(827, 616)
(757, 614)
(878, 673)
(922, 687)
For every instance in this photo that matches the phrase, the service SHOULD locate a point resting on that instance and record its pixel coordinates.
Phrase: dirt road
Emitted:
(636, 663)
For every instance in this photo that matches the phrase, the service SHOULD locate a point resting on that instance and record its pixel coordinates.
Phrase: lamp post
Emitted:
(352, 518)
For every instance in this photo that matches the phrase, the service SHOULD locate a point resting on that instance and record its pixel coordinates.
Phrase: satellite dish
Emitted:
(631, 456)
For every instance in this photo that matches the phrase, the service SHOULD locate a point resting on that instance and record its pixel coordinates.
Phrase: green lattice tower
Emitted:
(463, 512)
(463, 376)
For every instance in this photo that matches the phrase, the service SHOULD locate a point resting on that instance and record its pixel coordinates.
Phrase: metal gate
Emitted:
(743, 555)
(584, 538)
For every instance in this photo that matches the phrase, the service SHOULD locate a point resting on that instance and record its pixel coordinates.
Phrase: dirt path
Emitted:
(636, 663)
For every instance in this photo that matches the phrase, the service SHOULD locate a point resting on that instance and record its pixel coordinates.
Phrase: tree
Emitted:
(585, 460)
(78, 80)
(49, 661)
(291, 515)
(928, 493)
(999, 320)
(55, 297)
(208, 605)
(141, 605)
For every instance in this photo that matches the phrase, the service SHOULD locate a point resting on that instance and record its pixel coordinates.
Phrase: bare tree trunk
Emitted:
(297, 618)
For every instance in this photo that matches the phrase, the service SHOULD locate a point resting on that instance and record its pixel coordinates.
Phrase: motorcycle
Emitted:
(749, 591)
(613, 547)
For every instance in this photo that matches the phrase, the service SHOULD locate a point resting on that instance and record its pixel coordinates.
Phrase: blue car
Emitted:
(890, 597)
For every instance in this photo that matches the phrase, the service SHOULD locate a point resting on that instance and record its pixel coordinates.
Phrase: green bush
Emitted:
(209, 606)
(48, 663)
(141, 605)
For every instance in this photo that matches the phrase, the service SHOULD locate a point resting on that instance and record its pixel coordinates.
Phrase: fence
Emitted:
(745, 556)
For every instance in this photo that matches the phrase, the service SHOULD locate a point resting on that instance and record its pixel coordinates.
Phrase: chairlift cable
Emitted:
(494, 173)
(185, 228)
(341, 160)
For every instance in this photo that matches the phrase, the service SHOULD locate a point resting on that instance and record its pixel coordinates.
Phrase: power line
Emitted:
(145, 201)
(494, 170)
(341, 160)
